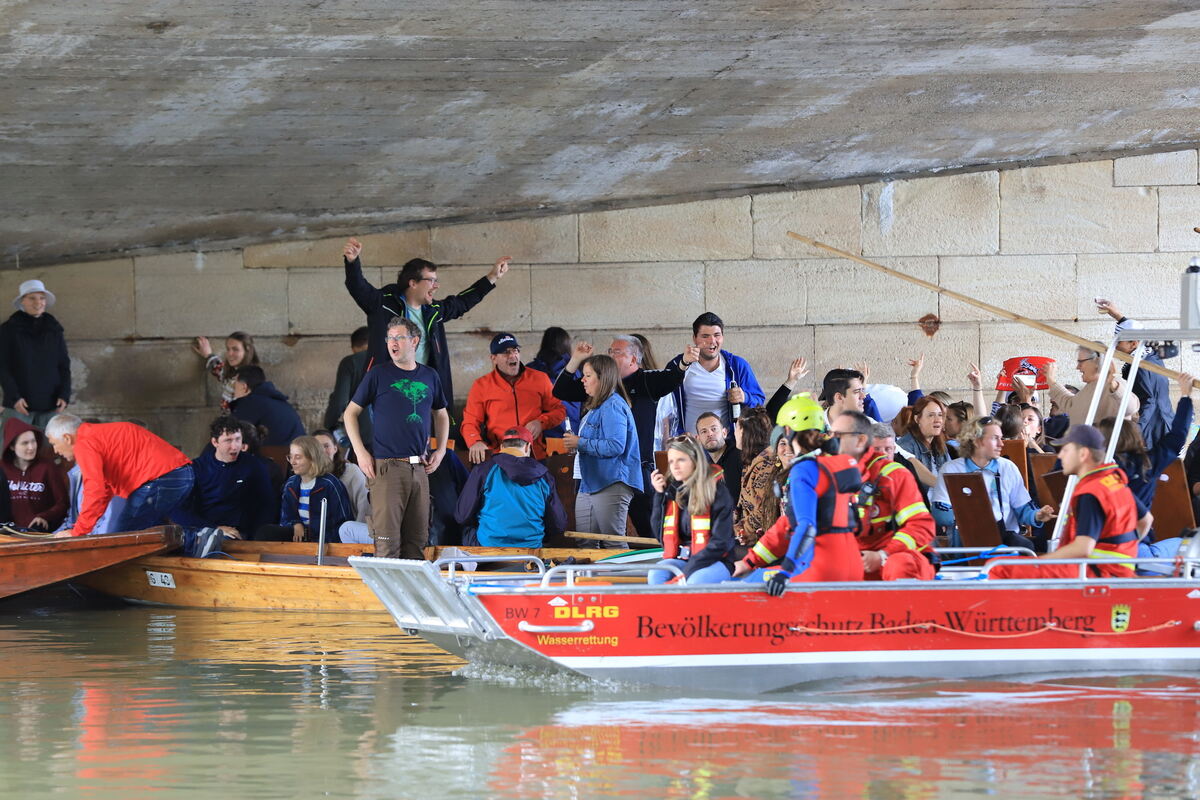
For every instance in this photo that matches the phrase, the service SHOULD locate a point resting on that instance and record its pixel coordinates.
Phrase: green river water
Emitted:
(125, 702)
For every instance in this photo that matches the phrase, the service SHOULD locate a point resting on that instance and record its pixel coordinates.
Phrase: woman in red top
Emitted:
(37, 488)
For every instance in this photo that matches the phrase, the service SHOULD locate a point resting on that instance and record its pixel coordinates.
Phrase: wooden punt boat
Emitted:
(29, 563)
(733, 637)
(274, 575)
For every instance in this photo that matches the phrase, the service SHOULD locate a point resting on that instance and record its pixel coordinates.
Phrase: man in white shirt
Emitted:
(716, 383)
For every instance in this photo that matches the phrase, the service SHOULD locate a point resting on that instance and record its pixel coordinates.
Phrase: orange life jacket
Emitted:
(700, 526)
(1118, 537)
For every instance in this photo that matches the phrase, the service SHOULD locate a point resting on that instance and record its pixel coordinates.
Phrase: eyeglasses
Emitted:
(433, 281)
(1092, 357)
(399, 338)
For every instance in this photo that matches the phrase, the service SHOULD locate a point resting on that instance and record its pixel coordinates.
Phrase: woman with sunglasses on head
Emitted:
(608, 463)
(693, 516)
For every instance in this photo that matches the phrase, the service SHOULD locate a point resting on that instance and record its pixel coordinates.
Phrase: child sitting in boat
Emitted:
(510, 500)
(36, 487)
(693, 515)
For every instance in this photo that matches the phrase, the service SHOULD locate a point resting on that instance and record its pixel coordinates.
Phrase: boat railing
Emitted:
(453, 562)
(569, 572)
(1189, 564)
(420, 598)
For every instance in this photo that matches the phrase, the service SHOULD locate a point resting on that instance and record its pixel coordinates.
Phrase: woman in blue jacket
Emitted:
(607, 460)
(311, 483)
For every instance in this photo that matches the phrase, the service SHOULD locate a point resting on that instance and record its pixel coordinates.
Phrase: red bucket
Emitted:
(1031, 366)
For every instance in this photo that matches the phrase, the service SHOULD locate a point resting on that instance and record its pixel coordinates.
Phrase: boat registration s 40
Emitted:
(163, 580)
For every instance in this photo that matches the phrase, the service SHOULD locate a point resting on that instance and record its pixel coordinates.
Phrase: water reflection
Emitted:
(137, 702)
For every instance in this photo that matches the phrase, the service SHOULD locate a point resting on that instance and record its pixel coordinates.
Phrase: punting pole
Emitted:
(991, 309)
(321, 535)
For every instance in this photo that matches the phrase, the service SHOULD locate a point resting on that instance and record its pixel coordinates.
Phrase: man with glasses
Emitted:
(411, 297)
(896, 529)
(1088, 363)
(510, 396)
(408, 401)
(644, 387)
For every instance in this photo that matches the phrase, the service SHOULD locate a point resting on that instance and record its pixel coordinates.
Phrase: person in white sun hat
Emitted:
(35, 370)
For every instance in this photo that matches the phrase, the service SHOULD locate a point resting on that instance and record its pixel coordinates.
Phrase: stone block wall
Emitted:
(1040, 241)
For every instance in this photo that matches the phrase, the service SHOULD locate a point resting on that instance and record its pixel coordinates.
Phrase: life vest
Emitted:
(700, 526)
(837, 495)
(1118, 537)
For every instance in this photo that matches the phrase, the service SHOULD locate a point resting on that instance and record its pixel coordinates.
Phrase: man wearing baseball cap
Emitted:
(510, 501)
(509, 396)
(35, 370)
(1105, 521)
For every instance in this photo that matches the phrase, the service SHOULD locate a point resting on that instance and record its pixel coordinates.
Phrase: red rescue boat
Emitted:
(734, 637)
(29, 563)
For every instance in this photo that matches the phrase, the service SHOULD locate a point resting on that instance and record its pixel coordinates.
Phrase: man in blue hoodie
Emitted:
(718, 381)
(511, 497)
(257, 401)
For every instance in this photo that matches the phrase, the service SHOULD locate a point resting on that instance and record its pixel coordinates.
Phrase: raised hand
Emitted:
(975, 378)
(865, 369)
(797, 370)
(352, 249)
(499, 269)
(915, 365)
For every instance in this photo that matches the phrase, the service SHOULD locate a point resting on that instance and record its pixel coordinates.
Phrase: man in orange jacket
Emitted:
(510, 396)
(896, 527)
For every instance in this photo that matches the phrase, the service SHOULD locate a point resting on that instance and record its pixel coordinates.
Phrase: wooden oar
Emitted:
(988, 307)
(608, 537)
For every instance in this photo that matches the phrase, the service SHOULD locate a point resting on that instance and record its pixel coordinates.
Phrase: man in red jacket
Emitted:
(126, 460)
(510, 396)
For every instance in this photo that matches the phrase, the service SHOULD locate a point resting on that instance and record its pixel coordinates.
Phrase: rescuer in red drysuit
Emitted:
(896, 529)
(814, 538)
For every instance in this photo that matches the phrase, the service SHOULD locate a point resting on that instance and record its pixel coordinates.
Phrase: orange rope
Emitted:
(923, 626)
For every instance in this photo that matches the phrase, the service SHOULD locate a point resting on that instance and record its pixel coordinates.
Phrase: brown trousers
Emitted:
(399, 509)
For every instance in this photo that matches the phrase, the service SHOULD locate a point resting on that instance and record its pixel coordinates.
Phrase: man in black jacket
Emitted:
(35, 370)
(411, 297)
(644, 387)
(257, 401)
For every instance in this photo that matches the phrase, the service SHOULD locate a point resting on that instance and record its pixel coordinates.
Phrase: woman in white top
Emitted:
(350, 475)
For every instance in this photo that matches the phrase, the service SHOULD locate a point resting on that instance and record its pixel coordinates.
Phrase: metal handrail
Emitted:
(1084, 563)
(569, 571)
(1073, 480)
(1002, 549)
(453, 561)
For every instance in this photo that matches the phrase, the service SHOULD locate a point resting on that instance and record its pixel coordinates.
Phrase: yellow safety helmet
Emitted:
(802, 413)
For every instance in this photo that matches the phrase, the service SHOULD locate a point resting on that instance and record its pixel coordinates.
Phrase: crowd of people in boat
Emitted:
(827, 484)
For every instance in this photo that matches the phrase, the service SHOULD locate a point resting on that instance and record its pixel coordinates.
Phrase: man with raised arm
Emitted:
(411, 298)
(1152, 390)
(718, 382)
(408, 401)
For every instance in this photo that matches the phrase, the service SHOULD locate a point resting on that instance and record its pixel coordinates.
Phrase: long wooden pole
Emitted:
(988, 307)
(608, 537)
